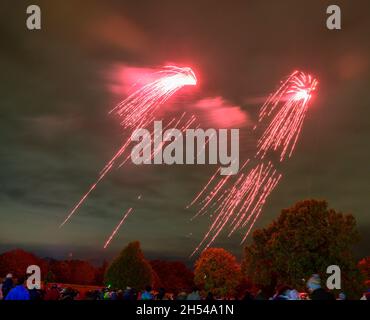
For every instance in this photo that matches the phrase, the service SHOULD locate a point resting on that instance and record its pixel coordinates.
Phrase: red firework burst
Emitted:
(288, 106)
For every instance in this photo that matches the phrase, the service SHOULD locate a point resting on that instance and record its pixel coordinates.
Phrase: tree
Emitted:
(217, 271)
(130, 269)
(81, 272)
(16, 262)
(61, 271)
(304, 239)
(49, 277)
(73, 272)
(364, 266)
(173, 275)
(99, 276)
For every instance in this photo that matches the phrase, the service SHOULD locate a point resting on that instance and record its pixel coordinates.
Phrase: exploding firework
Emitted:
(288, 106)
(236, 204)
(138, 110)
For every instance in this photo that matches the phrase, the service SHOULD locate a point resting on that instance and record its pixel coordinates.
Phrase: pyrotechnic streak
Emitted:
(237, 202)
(183, 128)
(140, 106)
(204, 188)
(82, 200)
(138, 110)
(290, 102)
(170, 123)
(117, 228)
(207, 141)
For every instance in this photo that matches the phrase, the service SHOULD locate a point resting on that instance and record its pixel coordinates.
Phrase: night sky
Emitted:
(58, 84)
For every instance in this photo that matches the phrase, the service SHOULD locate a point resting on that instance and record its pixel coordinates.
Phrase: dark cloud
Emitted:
(56, 136)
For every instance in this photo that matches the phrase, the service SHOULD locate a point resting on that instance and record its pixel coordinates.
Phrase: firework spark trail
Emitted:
(204, 189)
(248, 194)
(292, 101)
(117, 228)
(207, 200)
(207, 141)
(240, 204)
(183, 128)
(137, 111)
(272, 183)
(140, 106)
(240, 201)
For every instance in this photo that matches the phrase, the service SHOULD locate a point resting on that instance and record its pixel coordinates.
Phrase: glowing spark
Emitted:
(138, 110)
(237, 204)
(117, 228)
(292, 101)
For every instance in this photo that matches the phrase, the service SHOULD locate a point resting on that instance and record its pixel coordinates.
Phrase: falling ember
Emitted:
(289, 105)
(138, 110)
(117, 228)
(237, 204)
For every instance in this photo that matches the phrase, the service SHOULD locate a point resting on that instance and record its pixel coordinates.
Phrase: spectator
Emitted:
(19, 292)
(161, 294)
(282, 293)
(248, 296)
(68, 294)
(318, 293)
(210, 296)
(366, 295)
(261, 295)
(7, 285)
(52, 294)
(147, 294)
(106, 295)
(342, 296)
(127, 294)
(119, 295)
(194, 295)
(35, 294)
(294, 295)
(182, 296)
(134, 295)
(113, 295)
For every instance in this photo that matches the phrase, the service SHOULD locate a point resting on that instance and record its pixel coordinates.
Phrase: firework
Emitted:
(138, 110)
(117, 228)
(288, 106)
(236, 204)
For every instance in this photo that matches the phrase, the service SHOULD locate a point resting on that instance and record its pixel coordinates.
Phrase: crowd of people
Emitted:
(16, 289)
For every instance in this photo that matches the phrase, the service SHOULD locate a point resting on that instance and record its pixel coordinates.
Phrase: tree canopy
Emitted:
(130, 268)
(16, 262)
(173, 275)
(217, 271)
(364, 266)
(305, 239)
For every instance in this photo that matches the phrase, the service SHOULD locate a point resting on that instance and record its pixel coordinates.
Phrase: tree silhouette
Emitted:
(130, 269)
(16, 262)
(364, 266)
(304, 239)
(173, 275)
(217, 271)
(99, 275)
